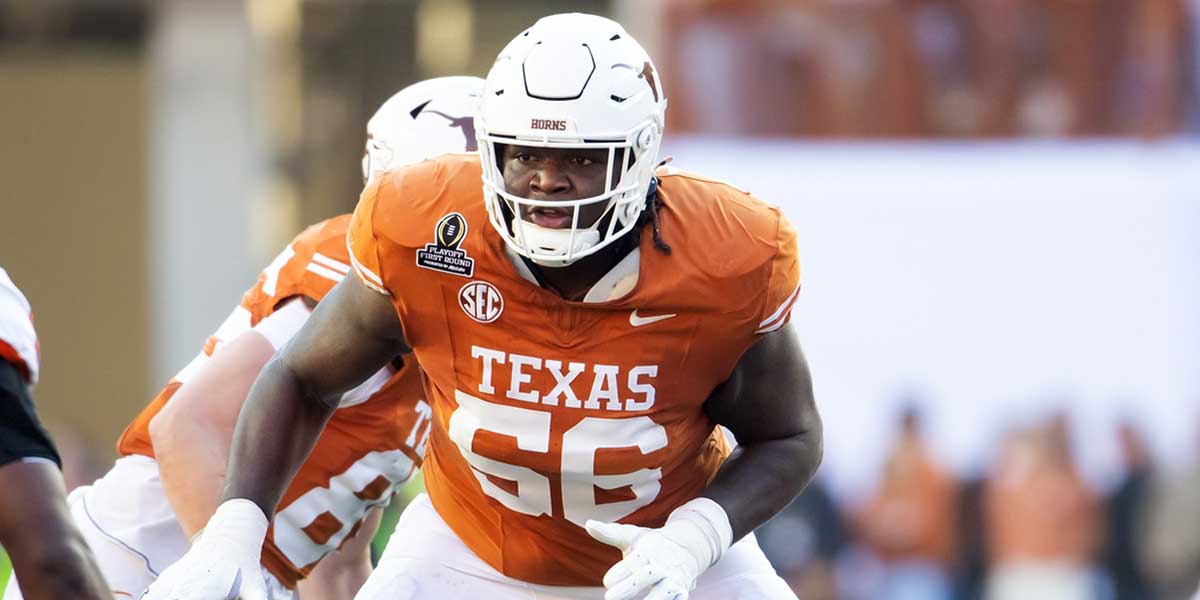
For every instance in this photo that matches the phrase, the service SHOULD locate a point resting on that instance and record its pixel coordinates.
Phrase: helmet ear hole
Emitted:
(645, 138)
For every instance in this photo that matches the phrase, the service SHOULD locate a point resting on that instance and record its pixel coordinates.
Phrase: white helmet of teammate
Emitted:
(572, 81)
(426, 119)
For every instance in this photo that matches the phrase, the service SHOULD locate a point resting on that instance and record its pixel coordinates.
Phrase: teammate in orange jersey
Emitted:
(140, 516)
(35, 525)
(584, 321)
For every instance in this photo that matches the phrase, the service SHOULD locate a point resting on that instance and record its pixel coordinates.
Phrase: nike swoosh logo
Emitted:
(637, 321)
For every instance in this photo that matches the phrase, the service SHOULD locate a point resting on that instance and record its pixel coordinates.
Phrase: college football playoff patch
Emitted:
(443, 254)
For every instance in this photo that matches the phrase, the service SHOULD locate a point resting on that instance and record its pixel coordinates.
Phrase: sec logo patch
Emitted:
(481, 301)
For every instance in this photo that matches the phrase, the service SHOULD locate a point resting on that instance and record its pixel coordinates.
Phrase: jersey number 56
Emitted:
(531, 429)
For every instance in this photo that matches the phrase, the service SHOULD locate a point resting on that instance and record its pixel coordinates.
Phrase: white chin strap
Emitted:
(539, 242)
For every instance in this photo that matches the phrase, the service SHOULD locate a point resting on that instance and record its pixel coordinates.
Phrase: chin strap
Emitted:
(543, 238)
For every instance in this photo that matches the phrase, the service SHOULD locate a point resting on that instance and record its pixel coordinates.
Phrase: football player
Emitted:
(584, 321)
(142, 514)
(47, 551)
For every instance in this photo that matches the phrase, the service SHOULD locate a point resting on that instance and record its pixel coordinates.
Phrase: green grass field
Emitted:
(5, 569)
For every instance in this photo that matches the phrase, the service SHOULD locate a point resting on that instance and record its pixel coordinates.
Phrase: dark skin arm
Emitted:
(768, 405)
(355, 329)
(50, 558)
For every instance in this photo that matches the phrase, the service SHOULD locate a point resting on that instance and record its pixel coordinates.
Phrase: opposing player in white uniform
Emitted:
(140, 517)
(47, 551)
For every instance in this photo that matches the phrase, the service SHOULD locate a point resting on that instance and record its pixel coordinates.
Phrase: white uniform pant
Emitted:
(132, 530)
(425, 559)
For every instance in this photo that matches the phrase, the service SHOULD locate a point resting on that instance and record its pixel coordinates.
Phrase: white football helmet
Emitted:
(426, 119)
(572, 81)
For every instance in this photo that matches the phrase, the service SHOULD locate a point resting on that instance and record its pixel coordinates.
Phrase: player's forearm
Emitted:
(191, 464)
(60, 569)
(50, 557)
(275, 432)
(343, 573)
(336, 584)
(761, 479)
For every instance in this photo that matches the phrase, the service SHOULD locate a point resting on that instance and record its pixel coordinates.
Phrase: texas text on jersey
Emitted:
(547, 412)
(372, 443)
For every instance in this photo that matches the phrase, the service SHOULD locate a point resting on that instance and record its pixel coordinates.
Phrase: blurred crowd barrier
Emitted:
(1028, 528)
(931, 68)
(1036, 302)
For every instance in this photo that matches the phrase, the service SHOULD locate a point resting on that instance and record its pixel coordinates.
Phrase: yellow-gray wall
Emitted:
(72, 208)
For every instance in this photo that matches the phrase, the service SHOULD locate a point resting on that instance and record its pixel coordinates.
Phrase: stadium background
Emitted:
(998, 205)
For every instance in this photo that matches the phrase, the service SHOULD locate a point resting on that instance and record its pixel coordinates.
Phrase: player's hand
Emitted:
(654, 565)
(664, 563)
(223, 564)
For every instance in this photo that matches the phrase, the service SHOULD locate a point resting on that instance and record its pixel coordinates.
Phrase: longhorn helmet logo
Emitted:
(464, 124)
(648, 74)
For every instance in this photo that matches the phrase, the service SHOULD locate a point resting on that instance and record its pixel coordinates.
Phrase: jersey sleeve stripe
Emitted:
(781, 323)
(272, 270)
(11, 355)
(781, 311)
(324, 272)
(335, 265)
(365, 272)
(16, 328)
(368, 278)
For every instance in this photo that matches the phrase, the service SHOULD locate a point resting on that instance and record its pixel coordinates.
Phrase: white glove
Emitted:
(664, 563)
(223, 563)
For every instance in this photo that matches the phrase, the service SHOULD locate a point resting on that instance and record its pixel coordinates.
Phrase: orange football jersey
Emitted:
(548, 412)
(370, 445)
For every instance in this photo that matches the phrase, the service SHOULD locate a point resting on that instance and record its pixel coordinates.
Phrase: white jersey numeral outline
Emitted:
(531, 429)
(343, 500)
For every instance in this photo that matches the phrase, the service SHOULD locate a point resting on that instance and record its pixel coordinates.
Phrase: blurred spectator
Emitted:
(1042, 520)
(905, 68)
(1123, 508)
(972, 540)
(1192, 62)
(1171, 525)
(1157, 69)
(793, 67)
(910, 524)
(804, 541)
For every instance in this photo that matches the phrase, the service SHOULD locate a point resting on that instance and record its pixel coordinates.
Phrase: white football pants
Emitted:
(424, 559)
